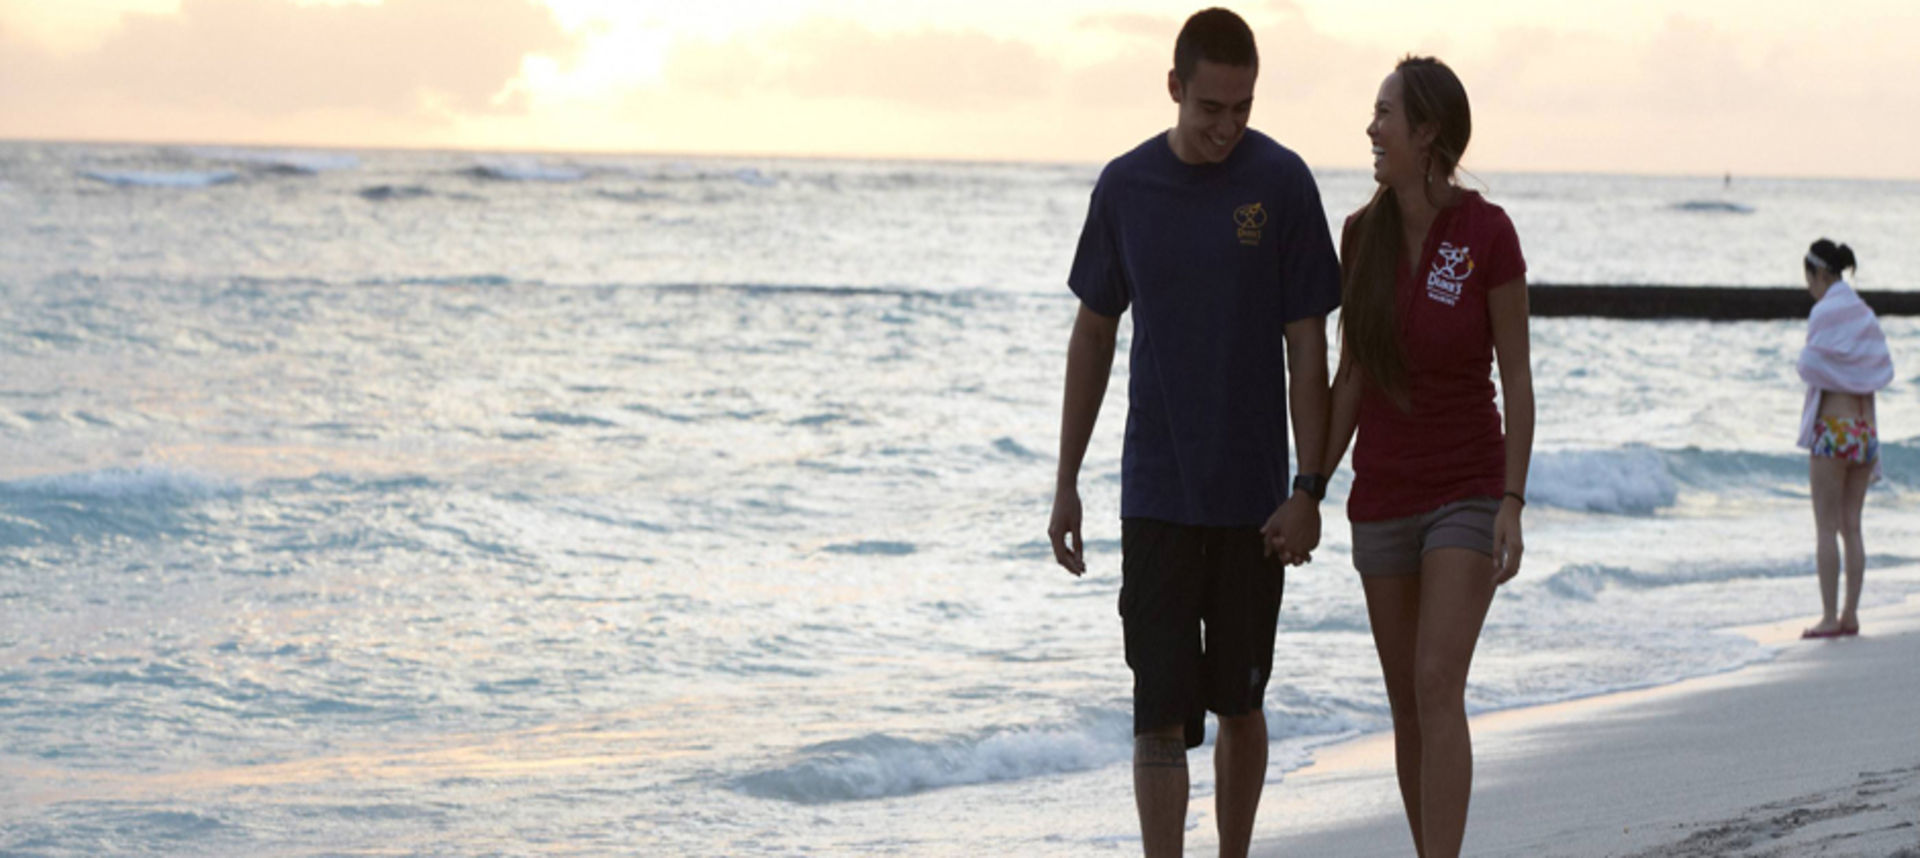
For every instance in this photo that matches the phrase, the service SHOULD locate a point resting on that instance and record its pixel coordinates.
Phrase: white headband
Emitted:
(1817, 262)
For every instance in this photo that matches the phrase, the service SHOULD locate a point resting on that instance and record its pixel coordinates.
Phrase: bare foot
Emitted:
(1823, 629)
(1849, 626)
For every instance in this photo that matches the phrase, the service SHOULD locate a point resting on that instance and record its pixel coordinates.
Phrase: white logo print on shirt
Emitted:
(1450, 272)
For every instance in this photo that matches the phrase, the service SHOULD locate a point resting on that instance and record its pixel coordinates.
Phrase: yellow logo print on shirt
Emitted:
(1250, 218)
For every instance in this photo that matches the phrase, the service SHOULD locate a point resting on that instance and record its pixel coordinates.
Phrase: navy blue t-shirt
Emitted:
(1214, 260)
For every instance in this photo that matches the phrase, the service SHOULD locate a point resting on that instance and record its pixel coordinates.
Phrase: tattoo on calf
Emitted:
(1159, 752)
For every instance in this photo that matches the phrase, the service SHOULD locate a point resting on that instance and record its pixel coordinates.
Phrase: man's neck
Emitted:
(1179, 152)
(1185, 155)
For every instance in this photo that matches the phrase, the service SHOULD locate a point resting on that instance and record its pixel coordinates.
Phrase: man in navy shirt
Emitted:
(1214, 235)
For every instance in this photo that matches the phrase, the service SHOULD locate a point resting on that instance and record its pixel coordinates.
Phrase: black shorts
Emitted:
(1199, 606)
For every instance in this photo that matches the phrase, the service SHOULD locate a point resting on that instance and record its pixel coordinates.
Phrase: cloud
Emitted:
(272, 59)
(1160, 30)
(1550, 92)
(1689, 97)
(832, 59)
(1088, 92)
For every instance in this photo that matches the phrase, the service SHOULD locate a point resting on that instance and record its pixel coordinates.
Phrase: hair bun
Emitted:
(1838, 257)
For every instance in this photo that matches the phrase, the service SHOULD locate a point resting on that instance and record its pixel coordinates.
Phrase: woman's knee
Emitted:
(1439, 687)
(1850, 529)
(1828, 520)
(1400, 693)
(1405, 708)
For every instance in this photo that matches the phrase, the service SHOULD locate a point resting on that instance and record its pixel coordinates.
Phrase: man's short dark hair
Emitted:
(1217, 36)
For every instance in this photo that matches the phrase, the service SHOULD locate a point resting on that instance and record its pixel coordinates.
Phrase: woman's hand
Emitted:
(1507, 546)
(1293, 531)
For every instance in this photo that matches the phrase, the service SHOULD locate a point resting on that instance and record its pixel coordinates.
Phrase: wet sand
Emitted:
(1816, 753)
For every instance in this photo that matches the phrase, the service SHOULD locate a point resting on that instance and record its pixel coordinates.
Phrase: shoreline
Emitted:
(1815, 751)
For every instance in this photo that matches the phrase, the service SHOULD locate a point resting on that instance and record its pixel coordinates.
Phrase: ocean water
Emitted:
(455, 503)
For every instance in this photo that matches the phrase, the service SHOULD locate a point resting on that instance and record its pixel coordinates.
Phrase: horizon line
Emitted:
(873, 158)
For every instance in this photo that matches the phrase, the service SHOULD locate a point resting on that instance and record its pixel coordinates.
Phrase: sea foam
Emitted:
(524, 171)
(162, 179)
(1634, 480)
(138, 503)
(1713, 207)
(881, 765)
(1585, 581)
(281, 161)
(117, 484)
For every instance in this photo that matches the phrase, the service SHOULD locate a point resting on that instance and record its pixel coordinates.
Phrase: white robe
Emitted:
(1845, 352)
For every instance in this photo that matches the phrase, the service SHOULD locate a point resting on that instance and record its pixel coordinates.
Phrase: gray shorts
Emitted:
(1395, 546)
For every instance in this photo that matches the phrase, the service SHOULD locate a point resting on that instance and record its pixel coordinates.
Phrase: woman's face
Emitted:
(1399, 150)
(1818, 280)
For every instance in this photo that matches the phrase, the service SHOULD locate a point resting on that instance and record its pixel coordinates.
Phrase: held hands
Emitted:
(1507, 546)
(1066, 521)
(1293, 531)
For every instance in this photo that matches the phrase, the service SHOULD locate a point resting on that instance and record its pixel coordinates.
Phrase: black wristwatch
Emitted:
(1313, 484)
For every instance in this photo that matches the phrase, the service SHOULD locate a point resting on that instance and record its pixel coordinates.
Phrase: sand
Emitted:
(1815, 753)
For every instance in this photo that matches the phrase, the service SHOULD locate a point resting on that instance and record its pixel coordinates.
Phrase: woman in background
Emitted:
(1433, 288)
(1844, 362)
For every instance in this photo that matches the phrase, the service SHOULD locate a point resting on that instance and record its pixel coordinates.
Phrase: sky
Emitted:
(1751, 87)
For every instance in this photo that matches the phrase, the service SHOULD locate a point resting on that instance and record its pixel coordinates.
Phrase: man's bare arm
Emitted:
(1089, 362)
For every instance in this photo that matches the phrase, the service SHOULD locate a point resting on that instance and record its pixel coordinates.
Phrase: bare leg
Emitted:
(1240, 770)
(1393, 610)
(1160, 790)
(1854, 499)
(1827, 477)
(1457, 588)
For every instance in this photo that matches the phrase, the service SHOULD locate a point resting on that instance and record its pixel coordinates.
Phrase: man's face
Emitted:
(1214, 106)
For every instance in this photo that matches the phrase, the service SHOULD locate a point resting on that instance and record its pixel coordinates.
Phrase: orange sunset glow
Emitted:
(1749, 87)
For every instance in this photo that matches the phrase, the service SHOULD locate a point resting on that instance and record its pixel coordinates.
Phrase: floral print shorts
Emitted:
(1849, 438)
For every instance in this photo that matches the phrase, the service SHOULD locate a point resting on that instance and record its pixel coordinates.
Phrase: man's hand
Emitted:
(1293, 531)
(1066, 522)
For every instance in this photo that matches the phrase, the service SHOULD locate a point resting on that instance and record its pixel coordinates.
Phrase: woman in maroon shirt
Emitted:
(1433, 289)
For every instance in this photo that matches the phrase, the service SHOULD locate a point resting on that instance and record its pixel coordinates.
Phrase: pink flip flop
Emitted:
(1810, 634)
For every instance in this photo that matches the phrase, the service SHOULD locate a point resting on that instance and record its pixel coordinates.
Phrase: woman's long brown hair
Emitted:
(1370, 252)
